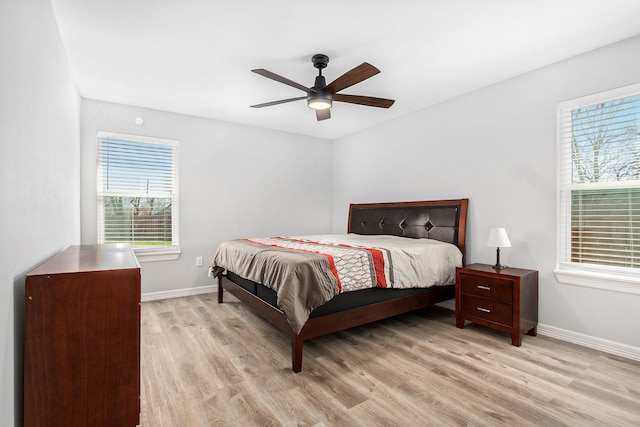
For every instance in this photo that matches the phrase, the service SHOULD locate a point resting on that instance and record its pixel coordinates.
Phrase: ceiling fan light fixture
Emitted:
(319, 101)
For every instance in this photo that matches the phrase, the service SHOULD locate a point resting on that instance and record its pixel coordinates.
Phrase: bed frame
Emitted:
(443, 220)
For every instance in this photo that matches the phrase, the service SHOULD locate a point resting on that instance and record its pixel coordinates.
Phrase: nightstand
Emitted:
(501, 299)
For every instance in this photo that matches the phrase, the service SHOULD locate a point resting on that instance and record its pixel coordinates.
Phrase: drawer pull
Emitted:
(485, 310)
(484, 288)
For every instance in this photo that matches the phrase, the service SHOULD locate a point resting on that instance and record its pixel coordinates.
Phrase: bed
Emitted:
(422, 223)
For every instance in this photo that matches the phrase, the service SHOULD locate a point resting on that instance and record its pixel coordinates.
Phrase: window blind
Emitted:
(137, 180)
(599, 179)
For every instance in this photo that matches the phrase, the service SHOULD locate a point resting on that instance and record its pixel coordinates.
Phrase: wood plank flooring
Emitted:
(210, 364)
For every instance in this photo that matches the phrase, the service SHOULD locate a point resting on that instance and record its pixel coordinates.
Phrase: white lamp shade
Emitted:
(498, 238)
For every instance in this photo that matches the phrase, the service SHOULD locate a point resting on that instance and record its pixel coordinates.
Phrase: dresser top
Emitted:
(83, 258)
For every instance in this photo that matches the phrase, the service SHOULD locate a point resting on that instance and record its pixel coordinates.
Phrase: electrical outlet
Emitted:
(199, 261)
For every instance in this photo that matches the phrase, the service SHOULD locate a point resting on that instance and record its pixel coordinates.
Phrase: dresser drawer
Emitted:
(486, 309)
(493, 288)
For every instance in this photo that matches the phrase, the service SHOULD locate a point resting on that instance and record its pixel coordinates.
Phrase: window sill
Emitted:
(153, 256)
(599, 280)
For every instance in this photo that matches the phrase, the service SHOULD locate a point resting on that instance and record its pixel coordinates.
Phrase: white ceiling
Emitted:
(194, 56)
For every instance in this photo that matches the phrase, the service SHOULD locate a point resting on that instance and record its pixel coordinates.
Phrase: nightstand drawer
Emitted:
(488, 310)
(493, 288)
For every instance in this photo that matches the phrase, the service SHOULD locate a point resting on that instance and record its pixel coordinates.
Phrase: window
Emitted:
(138, 194)
(599, 190)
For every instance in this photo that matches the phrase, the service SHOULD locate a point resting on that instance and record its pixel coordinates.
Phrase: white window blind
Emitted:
(138, 192)
(599, 182)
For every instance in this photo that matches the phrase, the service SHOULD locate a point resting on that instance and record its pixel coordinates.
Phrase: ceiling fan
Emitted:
(321, 95)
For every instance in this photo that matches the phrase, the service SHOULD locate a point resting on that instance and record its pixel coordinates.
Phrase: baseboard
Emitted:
(177, 293)
(612, 347)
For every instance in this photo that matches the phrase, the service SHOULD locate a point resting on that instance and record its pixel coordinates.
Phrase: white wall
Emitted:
(39, 171)
(497, 146)
(235, 181)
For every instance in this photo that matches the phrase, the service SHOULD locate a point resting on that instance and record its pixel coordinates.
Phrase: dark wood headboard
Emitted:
(443, 220)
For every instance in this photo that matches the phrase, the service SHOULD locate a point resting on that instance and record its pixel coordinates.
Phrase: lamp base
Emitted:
(498, 266)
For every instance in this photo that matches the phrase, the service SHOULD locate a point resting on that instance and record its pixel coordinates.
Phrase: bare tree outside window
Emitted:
(605, 141)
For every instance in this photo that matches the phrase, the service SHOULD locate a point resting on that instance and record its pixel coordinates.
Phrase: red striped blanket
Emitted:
(354, 266)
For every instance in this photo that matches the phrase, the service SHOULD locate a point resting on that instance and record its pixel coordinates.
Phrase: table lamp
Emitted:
(498, 239)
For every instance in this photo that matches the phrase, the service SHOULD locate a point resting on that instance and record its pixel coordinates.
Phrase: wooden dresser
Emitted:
(501, 299)
(82, 339)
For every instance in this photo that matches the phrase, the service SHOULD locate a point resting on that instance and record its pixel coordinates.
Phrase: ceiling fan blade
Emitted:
(282, 101)
(356, 75)
(278, 78)
(323, 114)
(364, 100)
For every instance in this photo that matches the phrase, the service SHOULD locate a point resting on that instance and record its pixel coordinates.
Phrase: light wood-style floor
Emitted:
(206, 364)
